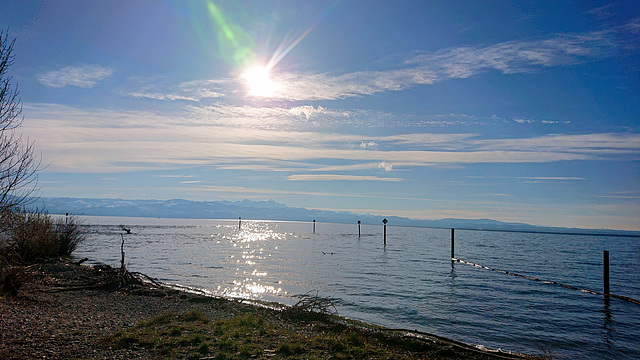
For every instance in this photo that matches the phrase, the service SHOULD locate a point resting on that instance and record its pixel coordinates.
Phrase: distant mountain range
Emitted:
(271, 210)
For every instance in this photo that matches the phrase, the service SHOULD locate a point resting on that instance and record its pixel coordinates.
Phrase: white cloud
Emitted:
(368, 145)
(306, 110)
(386, 166)
(86, 76)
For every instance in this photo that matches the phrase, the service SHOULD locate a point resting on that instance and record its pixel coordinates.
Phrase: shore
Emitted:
(67, 311)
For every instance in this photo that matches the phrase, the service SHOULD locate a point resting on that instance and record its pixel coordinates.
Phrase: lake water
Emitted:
(409, 283)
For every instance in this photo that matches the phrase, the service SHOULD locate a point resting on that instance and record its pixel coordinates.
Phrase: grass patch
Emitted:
(272, 335)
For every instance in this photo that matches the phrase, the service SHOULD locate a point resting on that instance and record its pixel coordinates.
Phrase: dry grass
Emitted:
(28, 237)
(32, 236)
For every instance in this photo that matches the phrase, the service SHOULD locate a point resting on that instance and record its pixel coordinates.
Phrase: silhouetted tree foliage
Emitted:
(18, 163)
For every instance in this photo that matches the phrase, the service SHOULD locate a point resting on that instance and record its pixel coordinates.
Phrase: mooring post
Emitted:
(122, 254)
(452, 244)
(239, 223)
(605, 271)
(314, 226)
(66, 218)
(384, 221)
(358, 228)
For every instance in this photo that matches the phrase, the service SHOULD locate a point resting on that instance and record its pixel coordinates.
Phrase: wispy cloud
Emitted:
(108, 141)
(297, 87)
(510, 57)
(558, 178)
(176, 176)
(518, 56)
(606, 143)
(189, 91)
(86, 76)
(337, 177)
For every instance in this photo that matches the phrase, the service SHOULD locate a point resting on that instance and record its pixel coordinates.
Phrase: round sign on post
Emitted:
(385, 221)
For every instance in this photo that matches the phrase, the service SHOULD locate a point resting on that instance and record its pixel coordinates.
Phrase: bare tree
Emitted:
(19, 165)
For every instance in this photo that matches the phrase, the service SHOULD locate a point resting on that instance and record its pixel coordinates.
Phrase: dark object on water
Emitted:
(128, 231)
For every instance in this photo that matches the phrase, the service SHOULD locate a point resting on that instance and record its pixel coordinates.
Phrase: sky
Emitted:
(518, 111)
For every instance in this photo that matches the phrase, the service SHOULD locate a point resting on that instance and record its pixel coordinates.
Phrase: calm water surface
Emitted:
(410, 283)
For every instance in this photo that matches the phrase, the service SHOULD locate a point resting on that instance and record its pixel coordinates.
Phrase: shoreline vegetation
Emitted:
(66, 310)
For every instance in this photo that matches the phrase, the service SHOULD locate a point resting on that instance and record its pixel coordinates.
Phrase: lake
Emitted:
(409, 283)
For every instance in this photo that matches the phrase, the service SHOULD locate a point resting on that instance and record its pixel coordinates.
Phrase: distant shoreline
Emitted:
(630, 234)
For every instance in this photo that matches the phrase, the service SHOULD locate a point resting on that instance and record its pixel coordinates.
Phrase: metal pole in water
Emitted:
(384, 221)
(314, 226)
(605, 271)
(358, 228)
(452, 243)
(239, 223)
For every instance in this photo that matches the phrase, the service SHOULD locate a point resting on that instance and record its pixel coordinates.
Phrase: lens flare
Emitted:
(283, 50)
(234, 43)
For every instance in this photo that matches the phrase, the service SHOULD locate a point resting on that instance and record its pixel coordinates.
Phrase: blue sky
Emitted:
(522, 111)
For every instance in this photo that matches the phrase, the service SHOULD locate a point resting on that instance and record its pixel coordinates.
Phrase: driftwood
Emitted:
(103, 277)
(312, 303)
(106, 277)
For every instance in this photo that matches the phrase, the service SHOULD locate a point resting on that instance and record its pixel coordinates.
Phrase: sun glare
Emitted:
(259, 81)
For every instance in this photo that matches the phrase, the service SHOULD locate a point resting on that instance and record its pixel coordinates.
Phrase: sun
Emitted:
(258, 79)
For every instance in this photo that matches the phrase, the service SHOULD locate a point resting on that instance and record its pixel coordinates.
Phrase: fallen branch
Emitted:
(313, 303)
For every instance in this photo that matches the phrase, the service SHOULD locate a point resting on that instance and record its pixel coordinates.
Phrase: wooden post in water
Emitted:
(358, 228)
(384, 221)
(314, 226)
(605, 271)
(239, 223)
(452, 243)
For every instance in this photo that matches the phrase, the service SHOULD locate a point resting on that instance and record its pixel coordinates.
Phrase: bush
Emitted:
(69, 235)
(31, 236)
